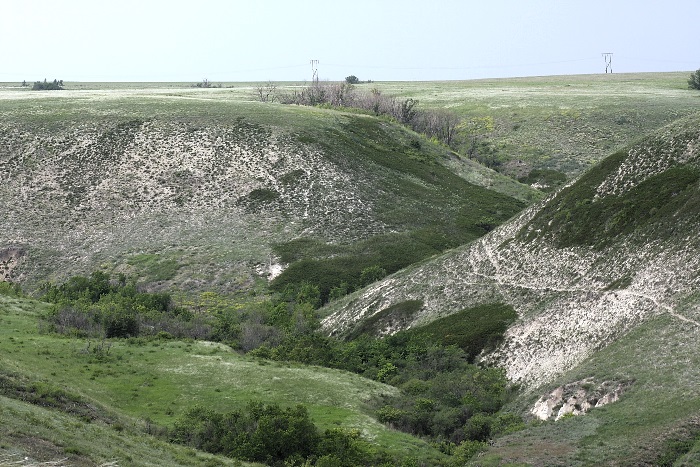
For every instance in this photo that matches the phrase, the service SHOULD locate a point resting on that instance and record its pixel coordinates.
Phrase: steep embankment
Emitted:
(195, 193)
(582, 269)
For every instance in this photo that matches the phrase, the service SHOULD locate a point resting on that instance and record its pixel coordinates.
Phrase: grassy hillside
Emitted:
(91, 392)
(591, 293)
(560, 123)
(195, 190)
(604, 277)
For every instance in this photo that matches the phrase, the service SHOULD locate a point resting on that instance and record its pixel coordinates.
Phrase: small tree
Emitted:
(267, 92)
(407, 111)
(694, 81)
(352, 79)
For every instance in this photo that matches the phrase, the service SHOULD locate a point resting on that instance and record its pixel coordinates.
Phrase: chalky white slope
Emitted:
(582, 268)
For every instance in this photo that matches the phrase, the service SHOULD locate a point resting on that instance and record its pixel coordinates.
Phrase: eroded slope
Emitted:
(583, 268)
(194, 193)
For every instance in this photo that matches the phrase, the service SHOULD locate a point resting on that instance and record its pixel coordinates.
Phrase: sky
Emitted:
(380, 40)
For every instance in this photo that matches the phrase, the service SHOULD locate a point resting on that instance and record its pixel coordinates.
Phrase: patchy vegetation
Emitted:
(261, 214)
(603, 275)
(198, 202)
(47, 86)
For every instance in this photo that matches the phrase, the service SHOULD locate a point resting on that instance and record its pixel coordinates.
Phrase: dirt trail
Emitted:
(502, 284)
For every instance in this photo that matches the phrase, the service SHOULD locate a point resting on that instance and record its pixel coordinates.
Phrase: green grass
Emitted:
(33, 435)
(561, 123)
(134, 381)
(152, 267)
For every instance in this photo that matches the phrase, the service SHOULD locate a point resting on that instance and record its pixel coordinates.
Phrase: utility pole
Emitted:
(314, 71)
(608, 61)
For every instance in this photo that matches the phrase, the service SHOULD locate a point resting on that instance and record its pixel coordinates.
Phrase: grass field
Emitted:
(563, 123)
(132, 384)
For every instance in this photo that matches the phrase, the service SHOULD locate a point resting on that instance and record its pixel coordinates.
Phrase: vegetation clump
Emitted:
(694, 81)
(47, 86)
(275, 436)
(96, 306)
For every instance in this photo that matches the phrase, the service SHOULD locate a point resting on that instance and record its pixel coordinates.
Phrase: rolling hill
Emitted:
(201, 192)
(602, 275)
(193, 190)
(77, 401)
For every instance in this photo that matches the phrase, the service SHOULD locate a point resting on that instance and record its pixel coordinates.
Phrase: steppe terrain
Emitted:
(227, 203)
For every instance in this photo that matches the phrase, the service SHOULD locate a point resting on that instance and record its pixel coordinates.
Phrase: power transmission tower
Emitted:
(314, 71)
(608, 61)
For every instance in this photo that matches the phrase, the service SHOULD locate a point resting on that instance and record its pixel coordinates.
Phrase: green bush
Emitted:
(466, 450)
(272, 435)
(47, 86)
(694, 81)
(119, 322)
(96, 306)
(10, 289)
(371, 274)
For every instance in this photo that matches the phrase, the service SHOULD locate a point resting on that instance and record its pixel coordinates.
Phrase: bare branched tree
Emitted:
(267, 92)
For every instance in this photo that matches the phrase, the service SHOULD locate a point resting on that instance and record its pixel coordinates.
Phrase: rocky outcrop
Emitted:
(577, 398)
(10, 258)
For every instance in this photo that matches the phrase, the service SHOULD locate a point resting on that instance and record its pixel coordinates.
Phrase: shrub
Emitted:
(10, 289)
(48, 86)
(468, 449)
(120, 323)
(371, 274)
(352, 79)
(694, 81)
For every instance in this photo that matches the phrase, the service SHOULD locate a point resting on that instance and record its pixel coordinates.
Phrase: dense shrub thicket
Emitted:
(274, 436)
(438, 124)
(96, 306)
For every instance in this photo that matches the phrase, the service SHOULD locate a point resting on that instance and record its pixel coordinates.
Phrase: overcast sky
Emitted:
(255, 40)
